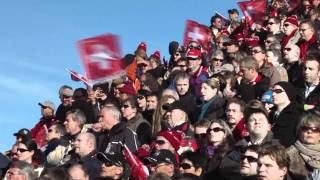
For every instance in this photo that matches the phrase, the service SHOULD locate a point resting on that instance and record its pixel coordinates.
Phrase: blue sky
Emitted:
(38, 41)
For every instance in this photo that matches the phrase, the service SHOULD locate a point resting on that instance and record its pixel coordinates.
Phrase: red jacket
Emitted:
(39, 132)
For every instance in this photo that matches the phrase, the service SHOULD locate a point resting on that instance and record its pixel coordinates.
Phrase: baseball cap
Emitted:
(162, 156)
(48, 104)
(23, 132)
(116, 159)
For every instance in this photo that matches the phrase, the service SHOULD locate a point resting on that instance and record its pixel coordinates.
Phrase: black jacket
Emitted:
(119, 134)
(295, 73)
(142, 127)
(313, 97)
(284, 125)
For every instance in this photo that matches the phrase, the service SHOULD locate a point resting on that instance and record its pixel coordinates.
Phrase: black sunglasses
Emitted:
(140, 97)
(200, 136)
(22, 150)
(313, 129)
(268, 41)
(216, 129)
(216, 59)
(287, 49)
(194, 47)
(286, 25)
(277, 91)
(250, 159)
(65, 97)
(160, 142)
(185, 166)
(125, 106)
(271, 23)
(255, 51)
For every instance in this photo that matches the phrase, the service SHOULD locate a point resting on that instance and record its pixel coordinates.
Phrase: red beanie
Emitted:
(292, 20)
(252, 41)
(156, 54)
(128, 88)
(143, 46)
(173, 137)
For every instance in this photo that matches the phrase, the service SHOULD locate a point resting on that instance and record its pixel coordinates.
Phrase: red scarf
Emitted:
(286, 39)
(304, 47)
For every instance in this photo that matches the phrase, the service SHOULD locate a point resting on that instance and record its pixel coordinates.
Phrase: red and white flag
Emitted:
(199, 33)
(138, 170)
(79, 77)
(101, 57)
(253, 11)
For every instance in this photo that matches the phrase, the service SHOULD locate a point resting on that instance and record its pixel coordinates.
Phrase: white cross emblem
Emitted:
(102, 56)
(195, 34)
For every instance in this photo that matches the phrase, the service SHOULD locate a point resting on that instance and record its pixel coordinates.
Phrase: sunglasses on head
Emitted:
(185, 166)
(200, 136)
(277, 91)
(160, 142)
(22, 150)
(216, 129)
(250, 159)
(313, 129)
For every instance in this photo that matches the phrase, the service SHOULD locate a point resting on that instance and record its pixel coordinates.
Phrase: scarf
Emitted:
(309, 153)
(305, 46)
(205, 107)
(286, 39)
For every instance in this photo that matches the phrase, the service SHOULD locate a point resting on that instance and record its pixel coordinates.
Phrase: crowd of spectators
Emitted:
(247, 109)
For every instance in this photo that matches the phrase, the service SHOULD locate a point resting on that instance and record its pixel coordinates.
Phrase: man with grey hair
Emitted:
(115, 133)
(20, 170)
(65, 95)
(251, 85)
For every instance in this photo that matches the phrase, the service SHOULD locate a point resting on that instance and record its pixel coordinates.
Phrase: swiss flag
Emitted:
(138, 170)
(101, 57)
(197, 32)
(79, 77)
(253, 10)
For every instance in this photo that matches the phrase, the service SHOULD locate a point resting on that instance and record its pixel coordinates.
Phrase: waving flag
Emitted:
(101, 57)
(253, 11)
(199, 33)
(138, 170)
(78, 77)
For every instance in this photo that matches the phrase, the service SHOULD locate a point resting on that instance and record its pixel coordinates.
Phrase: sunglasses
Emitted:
(286, 25)
(22, 150)
(313, 129)
(194, 47)
(193, 59)
(216, 59)
(125, 106)
(250, 159)
(287, 49)
(255, 51)
(65, 97)
(277, 91)
(200, 136)
(140, 97)
(177, 54)
(268, 41)
(160, 142)
(216, 129)
(142, 65)
(271, 23)
(185, 166)
(50, 130)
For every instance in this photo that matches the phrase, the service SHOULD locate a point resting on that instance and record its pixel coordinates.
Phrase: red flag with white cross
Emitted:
(101, 57)
(199, 33)
(253, 11)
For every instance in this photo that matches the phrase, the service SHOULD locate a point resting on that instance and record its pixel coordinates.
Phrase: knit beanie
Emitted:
(173, 47)
(289, 89)
(173, 137)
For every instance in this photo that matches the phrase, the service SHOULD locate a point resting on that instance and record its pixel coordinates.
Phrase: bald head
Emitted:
(291, 53)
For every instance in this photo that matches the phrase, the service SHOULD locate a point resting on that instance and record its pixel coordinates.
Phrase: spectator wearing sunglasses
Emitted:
(308, 41)
(65, 95)
(135, 121)
(249, 163)
(270, 39)
(192, 163)
(220, 143)
(217, 60)
(54, 135)
(113, 166)
(48, 118)
(200, 134)
(291, 31)
(304, 154)
(27, 151)
(273, 27)
(293, 64)
(284, 117)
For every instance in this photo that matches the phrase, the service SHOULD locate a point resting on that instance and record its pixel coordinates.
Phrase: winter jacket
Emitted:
(38, 132)
(119, 135)
(141, 127)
